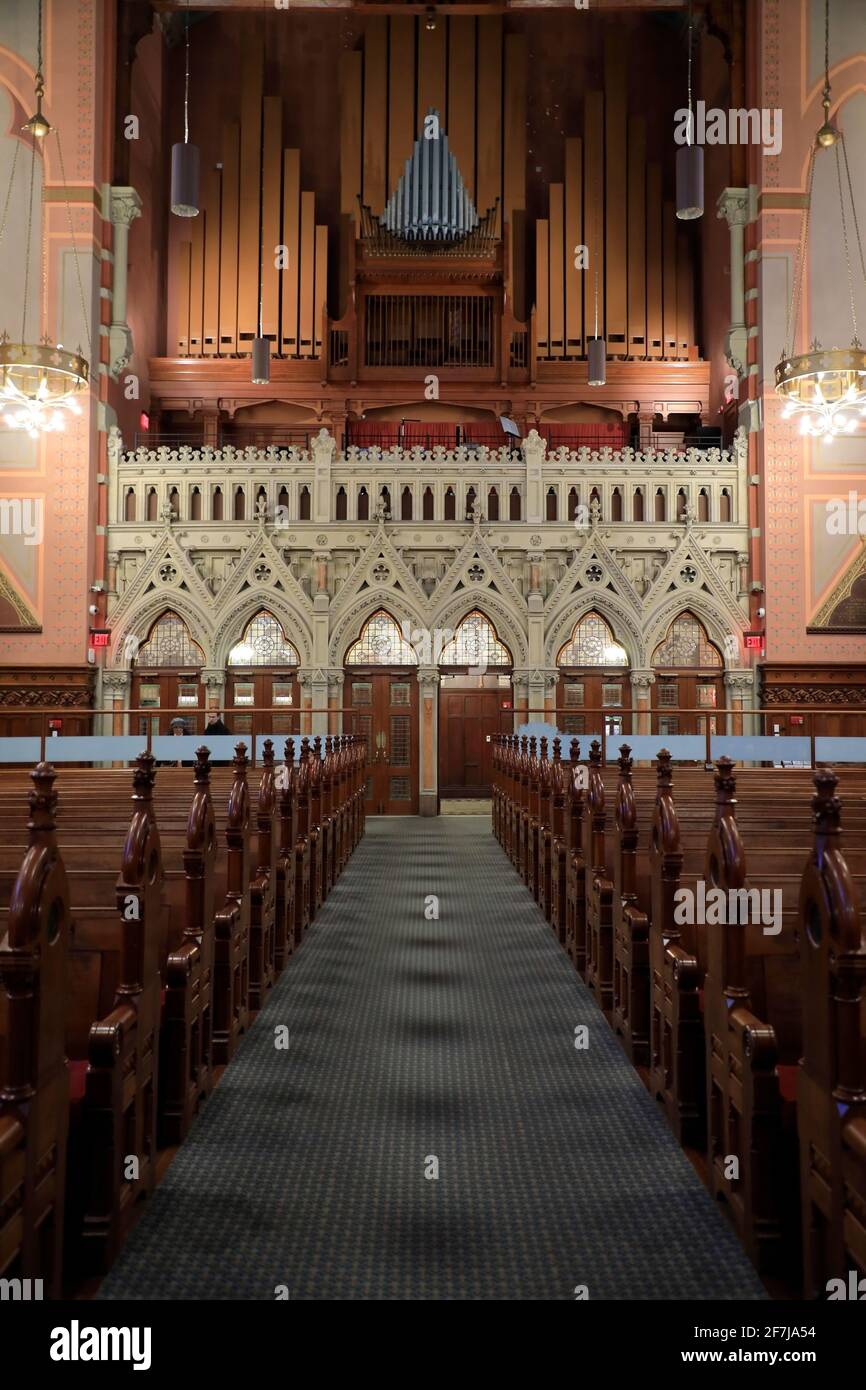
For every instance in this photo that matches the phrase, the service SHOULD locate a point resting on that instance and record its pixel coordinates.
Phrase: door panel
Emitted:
(691, 691)
(467, 719)
(584, 691)
(165, 691)
(259, 688)
(383, 710)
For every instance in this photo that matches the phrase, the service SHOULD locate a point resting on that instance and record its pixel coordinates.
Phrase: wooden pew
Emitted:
(263, 886)
(34, 1080)
(232, 920)
(599, 887)
(630, 1006)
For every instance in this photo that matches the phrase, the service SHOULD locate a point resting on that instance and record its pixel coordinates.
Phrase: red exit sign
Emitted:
(100, 637)
(754, 641)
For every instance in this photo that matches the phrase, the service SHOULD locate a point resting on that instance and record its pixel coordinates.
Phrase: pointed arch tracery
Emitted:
(475, 643)
(263, 643)
(168, 643)
(381, 643)
(592, 643)
(686, 644)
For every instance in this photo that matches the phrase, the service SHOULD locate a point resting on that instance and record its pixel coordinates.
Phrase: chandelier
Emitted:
(825, 388)
(39, 381)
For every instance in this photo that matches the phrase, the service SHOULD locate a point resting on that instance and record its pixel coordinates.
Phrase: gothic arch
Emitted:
(142, 618)
(451, 654)
(716, 624)
(506, 623)
(346, 630)
(608, 606)
(244, 609)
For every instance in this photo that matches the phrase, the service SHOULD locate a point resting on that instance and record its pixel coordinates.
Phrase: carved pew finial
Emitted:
(826, 810)
(557, 750)
(42, 799)
(143, 778)
(664, 770)
(595, 753)
(201, 767)
(726, 788)
(574, 750)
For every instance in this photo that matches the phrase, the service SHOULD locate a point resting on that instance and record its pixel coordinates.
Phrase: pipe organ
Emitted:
(255, 241)
(638, 283)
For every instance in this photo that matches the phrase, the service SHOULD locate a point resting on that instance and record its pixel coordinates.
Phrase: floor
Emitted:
(431, 1131)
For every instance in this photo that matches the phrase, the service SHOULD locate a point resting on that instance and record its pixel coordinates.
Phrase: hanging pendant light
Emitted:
(596, 350)
(825, 388)
(690, 160)
(185, 162)
(39, 381)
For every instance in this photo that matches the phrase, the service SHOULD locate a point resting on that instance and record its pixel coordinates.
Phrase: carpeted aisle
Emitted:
(413, 1040)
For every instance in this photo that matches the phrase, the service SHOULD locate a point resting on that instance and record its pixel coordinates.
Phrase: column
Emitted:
(534, 449)
(125, 207)
(214, 683)
(520, 684)
(318, 685)
(428, 741)
(305, 681)
(740, 700)
(641, 701)
(733, 205)
(322, 448)
(336, 681)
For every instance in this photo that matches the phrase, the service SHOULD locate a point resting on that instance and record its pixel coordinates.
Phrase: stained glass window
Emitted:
(592, 644)
(263, 644)
(381, 643)
(686, 644)
(475, 644)
(169, 644)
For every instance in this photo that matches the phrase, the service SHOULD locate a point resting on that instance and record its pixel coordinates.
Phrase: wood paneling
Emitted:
(514, 132)
(574, 278)
(616, 278)
(308, 272)
(229, 240)
(431, 71)
(655, 342)
(271, 209)
(375, 111)
(183, 264)
(351, 124)
(489, 122)
(637, 237)
(557, 286)
(669, 260)
(211, 215)
(250, 183)
(291, 238)
(461, 97)
(593, 221)
(685, 283)
(542, 288)
(401, 97)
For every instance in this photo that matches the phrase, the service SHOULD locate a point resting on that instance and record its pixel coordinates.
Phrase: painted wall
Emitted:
(57, 473)
(801, 561)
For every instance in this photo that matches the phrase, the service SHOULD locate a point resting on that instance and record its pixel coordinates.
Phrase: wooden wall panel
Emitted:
(351, 125)
(615, 115)
(669, 273)
(183, 264)
(320, 294)
(655, 337)
(542, 287)
(308, 273)
(229, 240)
(401, 99)
(196, 287)
(514, 125)
(637, 239)
(252, 76)
(432, 57)
(211, 325)
(375, 110)
(574, 278)
(488, 123)
(461, 97)
(593, 217)
(291, 238)
(272, 167)
(557, 286)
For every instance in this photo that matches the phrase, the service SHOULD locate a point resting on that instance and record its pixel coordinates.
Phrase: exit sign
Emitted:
(100, 636)
(754, 641)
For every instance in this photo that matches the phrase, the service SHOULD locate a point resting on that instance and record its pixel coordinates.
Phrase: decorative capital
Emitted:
(732, 204)
(125, 206)
(428, 677)
(116, 681)
(642, 680)
(739, 680)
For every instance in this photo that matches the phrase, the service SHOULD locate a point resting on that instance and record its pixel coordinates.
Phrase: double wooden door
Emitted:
(467, 721)
(383, 709)
(164, 694)
(584, 692)
(686, 694)
(257, 689)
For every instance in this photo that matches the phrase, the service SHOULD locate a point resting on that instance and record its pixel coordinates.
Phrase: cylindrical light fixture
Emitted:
(261, 361)
(185, 161)
(690, 161)
(597, 360)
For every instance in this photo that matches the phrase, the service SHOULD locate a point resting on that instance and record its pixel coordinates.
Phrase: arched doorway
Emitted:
(262, 670)
(593, 676)
(166, 678)
(381, 691)
(475, 686)
(689, 675)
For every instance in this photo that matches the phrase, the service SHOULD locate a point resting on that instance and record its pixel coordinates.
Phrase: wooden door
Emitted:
(584, 692)
(686, 694)
(467, 720)
(258, 688)
(165, 694)
(383, 709)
